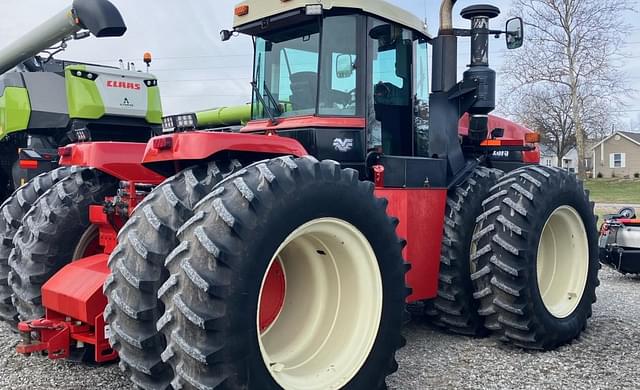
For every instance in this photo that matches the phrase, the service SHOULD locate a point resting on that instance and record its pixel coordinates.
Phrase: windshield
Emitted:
(293, 79)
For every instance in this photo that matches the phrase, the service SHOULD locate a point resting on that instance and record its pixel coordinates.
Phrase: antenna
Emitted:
(426, 25)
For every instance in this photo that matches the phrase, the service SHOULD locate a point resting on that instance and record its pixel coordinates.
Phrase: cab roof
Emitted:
(260, 9)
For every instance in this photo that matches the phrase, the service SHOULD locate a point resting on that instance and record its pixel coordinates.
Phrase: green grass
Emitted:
(623, 191)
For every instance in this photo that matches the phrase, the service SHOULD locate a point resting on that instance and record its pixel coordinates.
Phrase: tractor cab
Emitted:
(350, 81)
(343, 82)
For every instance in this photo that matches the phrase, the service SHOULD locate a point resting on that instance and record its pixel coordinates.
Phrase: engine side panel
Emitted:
(421, 215)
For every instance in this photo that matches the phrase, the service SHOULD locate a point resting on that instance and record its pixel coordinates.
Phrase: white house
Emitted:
(569, 161)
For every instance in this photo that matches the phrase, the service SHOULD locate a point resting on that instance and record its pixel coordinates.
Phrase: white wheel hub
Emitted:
(563, 262)
(332, 307)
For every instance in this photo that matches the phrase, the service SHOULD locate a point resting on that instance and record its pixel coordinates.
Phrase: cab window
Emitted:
(390, 106)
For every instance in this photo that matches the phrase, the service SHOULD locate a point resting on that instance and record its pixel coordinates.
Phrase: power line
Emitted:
(202, 95)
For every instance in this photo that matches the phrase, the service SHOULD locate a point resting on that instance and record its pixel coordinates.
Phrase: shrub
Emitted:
(636, 175)
(599, 175)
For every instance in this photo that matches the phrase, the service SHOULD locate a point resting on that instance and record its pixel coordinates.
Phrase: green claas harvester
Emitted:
(46, 103)
(283, 255)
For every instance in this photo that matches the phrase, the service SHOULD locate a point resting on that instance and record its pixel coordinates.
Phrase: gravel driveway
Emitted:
(606, 357)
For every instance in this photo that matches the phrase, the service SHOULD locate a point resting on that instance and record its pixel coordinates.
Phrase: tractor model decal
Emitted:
(343, 144)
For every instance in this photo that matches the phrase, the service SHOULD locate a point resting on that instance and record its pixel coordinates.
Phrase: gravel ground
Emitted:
(605, 357)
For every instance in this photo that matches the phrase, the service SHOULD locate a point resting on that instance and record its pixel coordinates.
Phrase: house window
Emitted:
(548, 162)
(617, 160)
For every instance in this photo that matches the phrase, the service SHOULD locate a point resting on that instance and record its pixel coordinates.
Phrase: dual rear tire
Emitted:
(527, 270)
(278, 280)
(338, 323)
(138, 270)
(456, 306)
(289, 274)
(537, 258)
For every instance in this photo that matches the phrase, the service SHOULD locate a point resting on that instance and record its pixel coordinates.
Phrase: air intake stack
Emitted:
(479, 71)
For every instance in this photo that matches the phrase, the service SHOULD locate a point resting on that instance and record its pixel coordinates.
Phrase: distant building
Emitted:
(568, 162)
(618, 155)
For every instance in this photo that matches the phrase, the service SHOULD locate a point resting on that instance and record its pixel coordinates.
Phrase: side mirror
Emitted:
(225, 35)
(344, 66)
(515, 33)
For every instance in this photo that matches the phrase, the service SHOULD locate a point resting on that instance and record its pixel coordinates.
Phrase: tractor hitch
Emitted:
(46, 335)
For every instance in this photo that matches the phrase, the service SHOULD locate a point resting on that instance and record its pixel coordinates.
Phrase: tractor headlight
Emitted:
(85, 75)
(314, 10)
(180, 122)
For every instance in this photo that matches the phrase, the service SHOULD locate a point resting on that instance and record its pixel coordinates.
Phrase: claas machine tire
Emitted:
(138, 271)
(455, 308)
(280, 280)
(538, 239)
(11, 213)
(52, 232)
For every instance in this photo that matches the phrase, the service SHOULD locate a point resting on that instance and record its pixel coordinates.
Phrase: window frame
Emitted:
(617, 160)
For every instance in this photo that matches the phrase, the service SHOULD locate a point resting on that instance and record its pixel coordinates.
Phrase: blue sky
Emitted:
(197, 71)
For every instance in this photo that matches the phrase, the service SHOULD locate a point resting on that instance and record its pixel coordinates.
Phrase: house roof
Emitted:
(633, 137)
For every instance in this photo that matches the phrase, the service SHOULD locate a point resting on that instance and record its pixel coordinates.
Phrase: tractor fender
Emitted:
(204, 145)
(121, 160)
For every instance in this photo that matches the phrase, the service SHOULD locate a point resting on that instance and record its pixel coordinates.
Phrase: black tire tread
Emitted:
(455, 307)
(138, 271)
(506, 239)
(42, 245)
(195, 298)
(11, 213)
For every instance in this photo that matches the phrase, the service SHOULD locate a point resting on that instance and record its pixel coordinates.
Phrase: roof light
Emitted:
(314, 9)
(242, 10)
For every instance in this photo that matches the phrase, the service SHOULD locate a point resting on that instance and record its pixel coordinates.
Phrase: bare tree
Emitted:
(571, 53)
(547, 109)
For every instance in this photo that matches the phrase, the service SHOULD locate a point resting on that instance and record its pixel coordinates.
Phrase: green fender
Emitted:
(15, 110)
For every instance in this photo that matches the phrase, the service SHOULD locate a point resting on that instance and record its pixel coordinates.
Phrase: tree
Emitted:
(546, 108)
(569, 64)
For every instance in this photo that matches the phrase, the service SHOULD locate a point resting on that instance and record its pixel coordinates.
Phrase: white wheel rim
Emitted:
(563, 262)
(332, 307)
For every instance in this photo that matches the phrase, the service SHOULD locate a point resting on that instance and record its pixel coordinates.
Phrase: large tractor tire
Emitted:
(456, 307)
(11, 213)
(538, 239)
(55, 232)
(138, 271)
(289, 275)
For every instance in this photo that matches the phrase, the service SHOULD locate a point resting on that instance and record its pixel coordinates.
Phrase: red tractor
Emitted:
(272, 258)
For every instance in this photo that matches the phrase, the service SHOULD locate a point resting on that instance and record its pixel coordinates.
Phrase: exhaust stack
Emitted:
(100, 17)
(446, 16)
